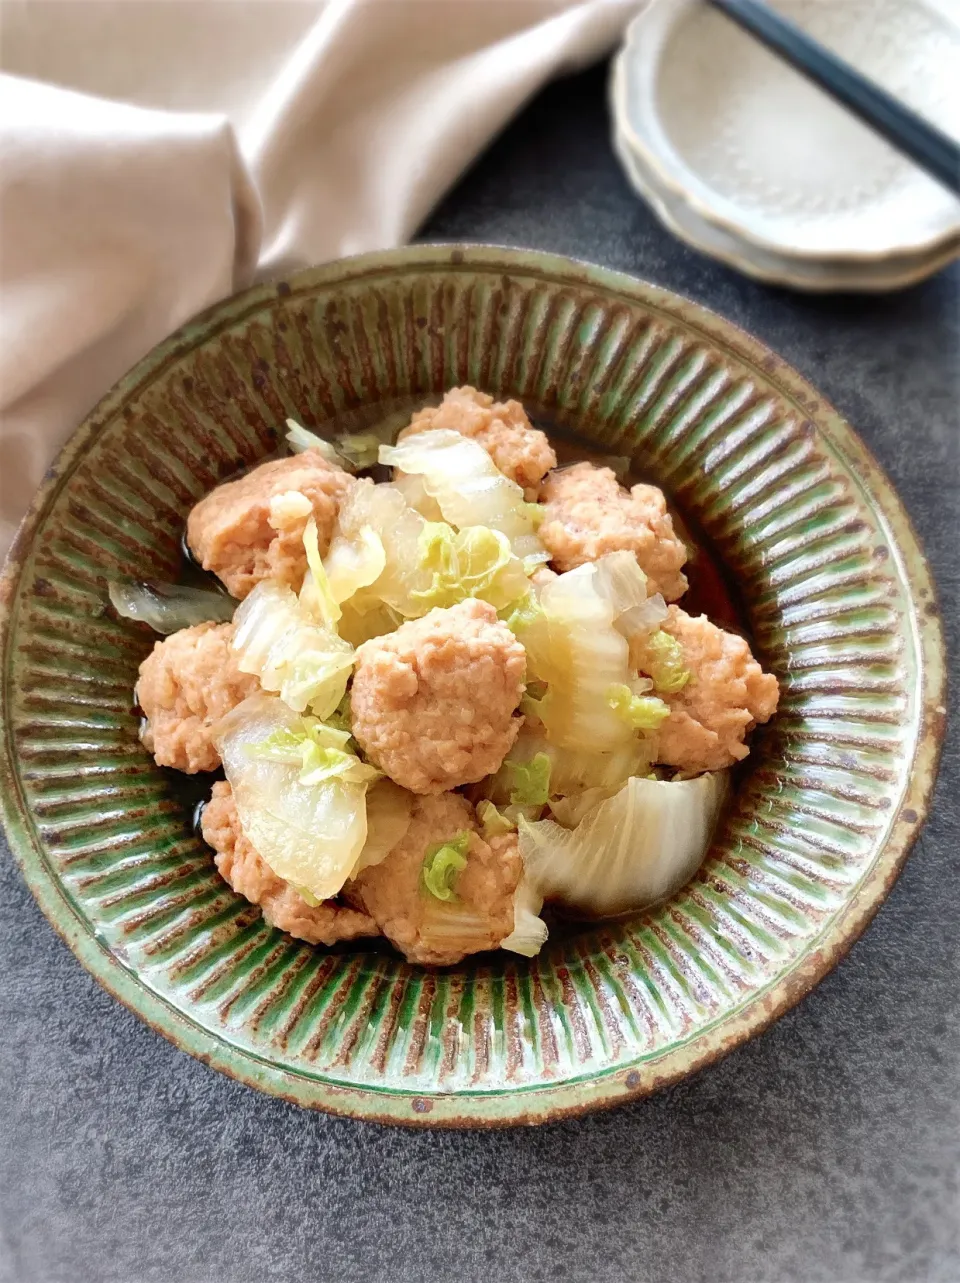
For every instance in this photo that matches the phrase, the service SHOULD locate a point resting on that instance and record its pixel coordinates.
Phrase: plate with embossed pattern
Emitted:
(797, 531)
(767, 164)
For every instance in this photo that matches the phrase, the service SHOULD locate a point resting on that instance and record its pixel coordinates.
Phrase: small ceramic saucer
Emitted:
(895, 272)
(743, 158)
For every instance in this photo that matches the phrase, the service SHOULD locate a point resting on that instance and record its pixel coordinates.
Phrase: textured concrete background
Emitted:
(824, 1152)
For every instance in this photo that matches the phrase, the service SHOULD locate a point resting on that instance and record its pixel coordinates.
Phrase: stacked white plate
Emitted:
(745, 160)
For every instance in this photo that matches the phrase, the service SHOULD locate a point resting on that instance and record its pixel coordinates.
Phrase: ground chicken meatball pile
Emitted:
(521, 451)
(433, 703)
(250, 876)
(252, 528)
(726, 696)
(186, 684)
(588, 513)
(427, 930)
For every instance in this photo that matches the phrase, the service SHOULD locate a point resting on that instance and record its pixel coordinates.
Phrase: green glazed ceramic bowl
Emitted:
(836, 594)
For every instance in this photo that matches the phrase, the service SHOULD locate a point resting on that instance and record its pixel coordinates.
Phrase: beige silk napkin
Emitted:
(156, 155)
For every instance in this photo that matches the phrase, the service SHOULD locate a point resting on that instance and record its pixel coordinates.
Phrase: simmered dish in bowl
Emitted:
(446, 693)
(793, 537)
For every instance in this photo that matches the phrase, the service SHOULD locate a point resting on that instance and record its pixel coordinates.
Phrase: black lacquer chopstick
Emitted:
(924, 143)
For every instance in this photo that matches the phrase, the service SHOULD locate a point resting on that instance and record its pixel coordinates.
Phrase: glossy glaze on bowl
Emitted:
(838, 598)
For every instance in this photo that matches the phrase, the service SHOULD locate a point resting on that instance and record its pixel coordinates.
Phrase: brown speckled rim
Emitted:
(521, 1105)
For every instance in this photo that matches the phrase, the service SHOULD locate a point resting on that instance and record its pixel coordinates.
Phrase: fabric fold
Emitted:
(214, 144)
(116, 224)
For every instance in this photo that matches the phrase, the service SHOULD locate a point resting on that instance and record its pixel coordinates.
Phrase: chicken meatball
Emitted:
(252, 528)
(521, 451)
(432, 931)
(249, 875)
(542, 576)
(186, 684)
(433, 702)
(726, 696)
(587, 513)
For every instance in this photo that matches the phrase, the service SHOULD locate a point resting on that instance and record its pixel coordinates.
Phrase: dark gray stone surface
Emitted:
(826, 1151)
